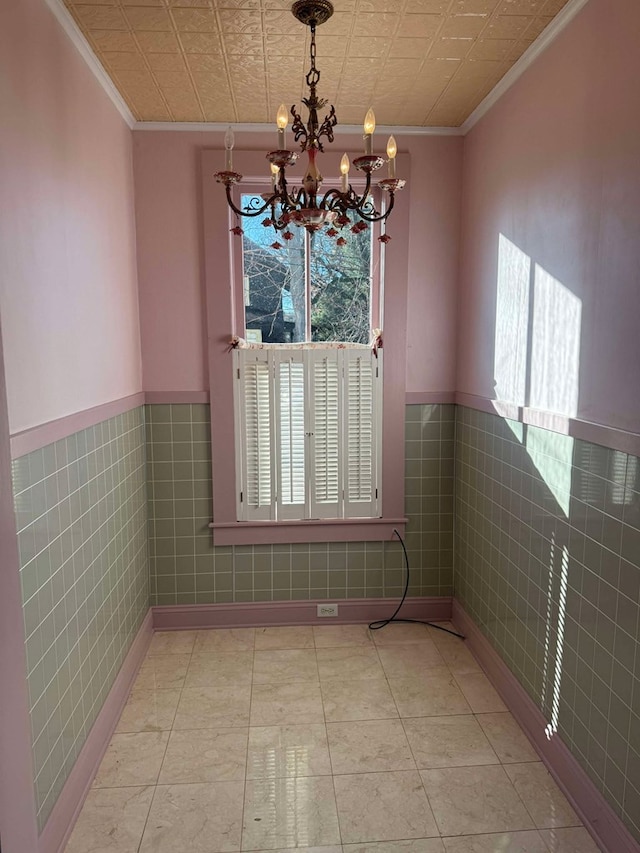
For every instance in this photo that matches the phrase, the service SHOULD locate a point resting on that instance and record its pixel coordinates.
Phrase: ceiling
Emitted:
(425, 63)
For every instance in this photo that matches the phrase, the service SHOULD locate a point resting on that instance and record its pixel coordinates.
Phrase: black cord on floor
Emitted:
(382, 623)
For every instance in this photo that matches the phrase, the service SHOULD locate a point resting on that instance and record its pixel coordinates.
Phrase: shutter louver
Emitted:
(362, 418)
(326, 485)
(290, 396)
(255, 394)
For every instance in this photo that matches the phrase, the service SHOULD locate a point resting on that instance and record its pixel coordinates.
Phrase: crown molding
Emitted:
(528, 58)
(239, 127)
(70, 27)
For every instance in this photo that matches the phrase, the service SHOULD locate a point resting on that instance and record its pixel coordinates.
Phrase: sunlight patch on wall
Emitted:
(537, 360)
(555, 349)
(552, 727)
(517, 428)
(512, 323)
(552, 454)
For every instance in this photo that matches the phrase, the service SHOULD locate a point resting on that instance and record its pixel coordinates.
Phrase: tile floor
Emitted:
(329, 738)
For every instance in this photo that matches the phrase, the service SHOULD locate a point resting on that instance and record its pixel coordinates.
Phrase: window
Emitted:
(226, 293)
(306, 287)
(307, 421)
(308, 427)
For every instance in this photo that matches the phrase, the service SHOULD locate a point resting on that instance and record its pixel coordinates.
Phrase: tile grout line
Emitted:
(326, 734)
(246, 765)
(155, 787)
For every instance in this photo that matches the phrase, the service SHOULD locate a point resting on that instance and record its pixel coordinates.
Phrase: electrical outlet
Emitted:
(327, 610)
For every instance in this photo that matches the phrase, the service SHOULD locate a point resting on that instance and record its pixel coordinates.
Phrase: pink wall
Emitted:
(67, 241)
(434, 248)
(553, 167)
(171, 266)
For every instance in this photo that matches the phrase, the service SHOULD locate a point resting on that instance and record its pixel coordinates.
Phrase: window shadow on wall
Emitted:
(548, 533)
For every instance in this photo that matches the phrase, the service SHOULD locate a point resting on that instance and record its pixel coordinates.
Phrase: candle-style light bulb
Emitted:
(369, 127)
(282, 119)
(274, 175)
(392, 150)
(229, 140)
(344, 170)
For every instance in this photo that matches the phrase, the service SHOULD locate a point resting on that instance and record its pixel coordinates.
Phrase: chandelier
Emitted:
(304, 206)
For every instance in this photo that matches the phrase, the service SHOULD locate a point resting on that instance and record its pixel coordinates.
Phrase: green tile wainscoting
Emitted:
(547, 563)
(547, 545)
(82, 532)
(187, 569)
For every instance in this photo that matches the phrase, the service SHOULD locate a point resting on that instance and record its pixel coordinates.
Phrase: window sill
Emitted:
(299, 532)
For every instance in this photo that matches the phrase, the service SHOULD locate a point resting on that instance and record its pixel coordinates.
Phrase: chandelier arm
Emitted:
(379, 217)
(240, 212)
(286, 199)
(335, 199)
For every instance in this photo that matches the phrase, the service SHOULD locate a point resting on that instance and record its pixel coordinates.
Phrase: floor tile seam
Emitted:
(184, 678)
(287, 681)
(175, 711)
(527, 812)
(335, 801)
(458, 713)
(520, 798)
(382, 772)
(171, 731)
(121, 785)
(349, 679)
(225, 729)
(146, 819)
(333, 775)
(461, 689)
(150, 655)
(482, 764)
(217, 655)
(387, 682)
(294, 776)
(246, 764)
(557, 787)
(238, 729)
(411, 769)
(510, 715)
(423, 770)
(406, 838)
(164, 783)
(363, 720)
(422, 788)
(396, 840)
(506, 832)
(174, 784)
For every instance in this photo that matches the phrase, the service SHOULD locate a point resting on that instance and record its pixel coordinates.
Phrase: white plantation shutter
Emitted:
(325, 399)
(290, 442)
(310, 424)
(254, 415)
(362, 428)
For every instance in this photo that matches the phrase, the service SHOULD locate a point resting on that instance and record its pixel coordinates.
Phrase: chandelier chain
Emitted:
(313, 76)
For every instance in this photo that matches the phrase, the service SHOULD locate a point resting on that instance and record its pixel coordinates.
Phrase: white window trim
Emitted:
(223, 321)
